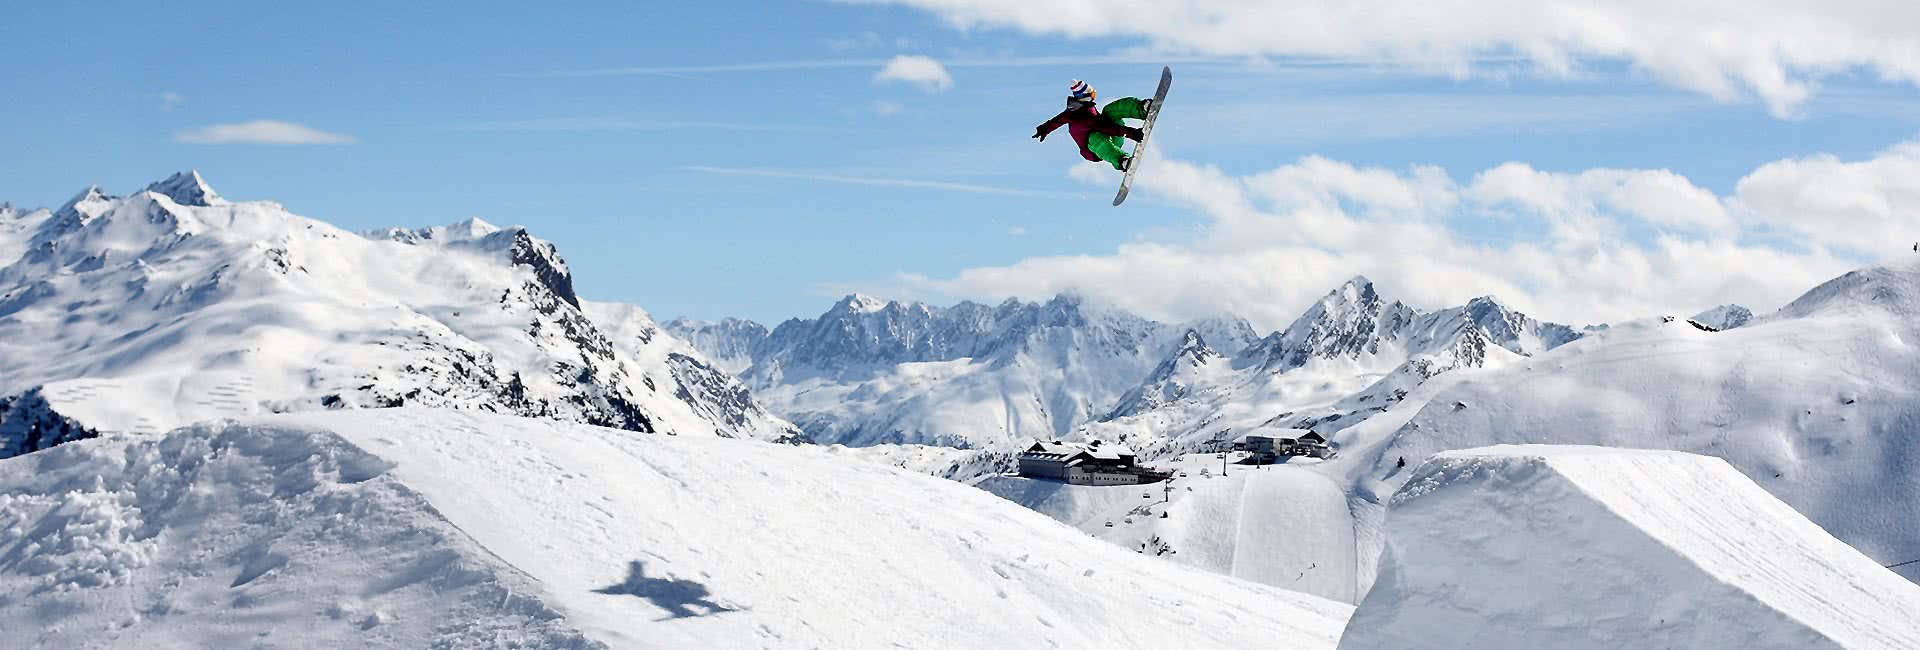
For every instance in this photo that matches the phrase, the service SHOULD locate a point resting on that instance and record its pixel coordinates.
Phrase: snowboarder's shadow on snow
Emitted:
(678, 597)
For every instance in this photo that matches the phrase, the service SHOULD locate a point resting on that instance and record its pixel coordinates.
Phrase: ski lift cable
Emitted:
(1901, 564)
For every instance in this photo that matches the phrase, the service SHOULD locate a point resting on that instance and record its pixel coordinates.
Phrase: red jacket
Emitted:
(1085, 120)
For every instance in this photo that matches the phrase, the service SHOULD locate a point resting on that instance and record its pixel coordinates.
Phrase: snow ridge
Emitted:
(172, 305)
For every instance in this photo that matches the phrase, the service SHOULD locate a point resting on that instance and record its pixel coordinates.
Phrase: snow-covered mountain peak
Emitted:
(1482, 306)
(187, 188)
(1350, 321)
(515, 244)
(1724, 317)
(89, 203)
(136, 306)
(1172, 380)
(1352, 303)
(1894, 288)
(471, 228)
(856, 303)
(84, 207)
(1193, 345)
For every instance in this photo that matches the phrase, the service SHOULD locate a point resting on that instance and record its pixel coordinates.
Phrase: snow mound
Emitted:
(226, 536)
(1535, 546)
(1282, 525)
(436, 528)
(1815, 403)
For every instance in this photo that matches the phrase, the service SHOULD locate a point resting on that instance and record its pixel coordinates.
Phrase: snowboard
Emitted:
(1146, 133)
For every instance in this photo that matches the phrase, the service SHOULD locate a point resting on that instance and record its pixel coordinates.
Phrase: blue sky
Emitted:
(607, 126)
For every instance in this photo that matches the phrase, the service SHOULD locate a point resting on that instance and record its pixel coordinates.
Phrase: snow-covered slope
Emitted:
(16, 228)
(1585, 547)
(412, 528)
(968, 466)
(1818, 403)
(172, 305)
(705, 391)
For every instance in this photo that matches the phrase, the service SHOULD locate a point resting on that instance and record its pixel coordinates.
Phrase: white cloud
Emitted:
(1659, 198)
(1777, 51)
(886, 108)
(260, 132)
(1864, 205)
(1590, 246)
(170, 99)
(921, 71)
(1017, 231)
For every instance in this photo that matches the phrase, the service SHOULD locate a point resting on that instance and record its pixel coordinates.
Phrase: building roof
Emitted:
(1065, 450)
(1060, 448)
(1313, 437)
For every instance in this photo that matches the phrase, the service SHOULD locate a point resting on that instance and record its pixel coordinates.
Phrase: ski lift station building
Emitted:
(1093, 464)
(1270, 444)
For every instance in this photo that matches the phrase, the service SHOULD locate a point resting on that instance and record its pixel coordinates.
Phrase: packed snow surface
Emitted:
(414, 528)
(1537, 546)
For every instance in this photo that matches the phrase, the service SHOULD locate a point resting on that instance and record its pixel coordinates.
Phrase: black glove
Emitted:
(1039, 134)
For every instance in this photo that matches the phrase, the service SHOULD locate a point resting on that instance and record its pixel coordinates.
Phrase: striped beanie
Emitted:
(1080, 91)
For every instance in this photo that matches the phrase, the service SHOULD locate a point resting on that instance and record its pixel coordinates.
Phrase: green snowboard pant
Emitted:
(1112, 148)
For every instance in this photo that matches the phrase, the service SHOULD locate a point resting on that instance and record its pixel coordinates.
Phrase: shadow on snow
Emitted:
(678, 597)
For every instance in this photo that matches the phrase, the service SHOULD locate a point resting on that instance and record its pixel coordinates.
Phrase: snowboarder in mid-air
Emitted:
(1099, 131)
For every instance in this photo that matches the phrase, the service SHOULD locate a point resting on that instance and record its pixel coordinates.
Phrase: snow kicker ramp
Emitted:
(1535, 546)
(1281, 525)
(423, 528)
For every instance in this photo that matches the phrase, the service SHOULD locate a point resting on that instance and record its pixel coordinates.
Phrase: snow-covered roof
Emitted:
(1059, 448)
(1069, 450)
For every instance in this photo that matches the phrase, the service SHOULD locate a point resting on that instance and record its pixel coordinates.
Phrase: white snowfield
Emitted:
(1537, 546)
(415, 528)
